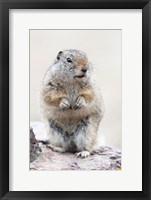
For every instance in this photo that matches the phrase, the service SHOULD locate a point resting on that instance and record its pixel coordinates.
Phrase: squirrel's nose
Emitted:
(84, 70)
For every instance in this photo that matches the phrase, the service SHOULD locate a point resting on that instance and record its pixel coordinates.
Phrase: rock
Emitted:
(43, 158)
(35, 148)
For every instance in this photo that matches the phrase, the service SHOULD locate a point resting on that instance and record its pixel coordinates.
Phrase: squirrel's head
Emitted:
(74, 63)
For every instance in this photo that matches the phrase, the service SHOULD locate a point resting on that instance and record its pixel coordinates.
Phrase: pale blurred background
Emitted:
(103, 48)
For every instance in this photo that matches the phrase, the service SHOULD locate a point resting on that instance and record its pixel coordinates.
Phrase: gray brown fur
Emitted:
(71, 103)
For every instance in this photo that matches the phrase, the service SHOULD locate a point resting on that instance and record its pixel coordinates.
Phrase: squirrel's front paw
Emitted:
(64, 103)
(79, 103)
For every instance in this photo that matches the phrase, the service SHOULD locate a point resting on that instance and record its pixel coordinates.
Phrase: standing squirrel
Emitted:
(71, 104)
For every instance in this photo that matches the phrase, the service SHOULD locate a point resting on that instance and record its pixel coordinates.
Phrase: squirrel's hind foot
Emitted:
(57, 149)
(82, 154)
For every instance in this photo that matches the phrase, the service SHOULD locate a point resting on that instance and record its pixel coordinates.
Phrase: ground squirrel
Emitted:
(71, 103)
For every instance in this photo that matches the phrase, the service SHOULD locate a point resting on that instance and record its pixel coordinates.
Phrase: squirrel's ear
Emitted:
(59, 54)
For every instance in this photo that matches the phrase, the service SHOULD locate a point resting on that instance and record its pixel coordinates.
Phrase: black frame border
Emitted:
(5, 5)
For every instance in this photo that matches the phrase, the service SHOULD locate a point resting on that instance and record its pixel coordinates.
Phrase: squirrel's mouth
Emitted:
(80, 76)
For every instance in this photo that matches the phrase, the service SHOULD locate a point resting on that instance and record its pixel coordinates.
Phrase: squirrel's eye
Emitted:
(69, 60)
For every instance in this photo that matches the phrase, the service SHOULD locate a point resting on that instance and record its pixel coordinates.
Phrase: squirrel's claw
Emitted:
(79, 103)
(57, 149)
(64, 103)
(82, 154)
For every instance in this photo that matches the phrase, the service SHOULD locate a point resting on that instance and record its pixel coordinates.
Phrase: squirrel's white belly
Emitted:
(71, 141)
